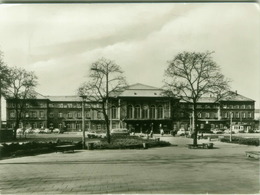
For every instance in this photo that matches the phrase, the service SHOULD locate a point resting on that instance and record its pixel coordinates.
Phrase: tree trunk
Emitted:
(195, 118)
(0, 109)
(105, 113)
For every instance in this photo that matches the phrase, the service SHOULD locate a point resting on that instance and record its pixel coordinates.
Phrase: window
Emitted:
(60, 105)
(87, 115)
(224, 106)
(34, 114)
(41, 114)
(137, 111)
(243, 106)
(249, 106)
(51, 115)
(69, 115)
(114, 112)
(69, 105)
(12, 115)
(129, 111)
(199, 115)
(207, 115)
(60, 115)
(99, 115)
(99, 127)
(237, 115)
(78, 105)
(51, 105)
(79, 115)
(145, 111)
(250, 115)
(243, 115)
(152, 111)
(160, 111)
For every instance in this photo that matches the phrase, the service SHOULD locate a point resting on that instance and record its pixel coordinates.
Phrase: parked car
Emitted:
(47, 130)
(120, 131)
(29, 131)
(37, 131)
(217, 131)
(228, 131)
(182, 132)
(56, 130)
(257, 130)
(19, 131)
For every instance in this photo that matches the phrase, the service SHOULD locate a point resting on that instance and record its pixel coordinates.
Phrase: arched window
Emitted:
(145, 111)
(137, 111)
(160, 111)
(152, 112)
(114, 112)
(129, 111)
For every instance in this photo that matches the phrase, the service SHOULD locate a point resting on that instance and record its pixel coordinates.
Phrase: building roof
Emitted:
(141, 90)
(234, 96)
(72, 98)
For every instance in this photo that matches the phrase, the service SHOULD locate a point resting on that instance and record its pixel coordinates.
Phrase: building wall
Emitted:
(152, 112)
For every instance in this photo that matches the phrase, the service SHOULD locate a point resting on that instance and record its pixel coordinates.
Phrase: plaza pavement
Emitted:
(168, 170)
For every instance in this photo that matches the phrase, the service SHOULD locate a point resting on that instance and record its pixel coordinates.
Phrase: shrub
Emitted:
(241, 140)
(129, 142)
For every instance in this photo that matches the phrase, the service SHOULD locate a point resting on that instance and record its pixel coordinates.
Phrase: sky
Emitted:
(59, 42)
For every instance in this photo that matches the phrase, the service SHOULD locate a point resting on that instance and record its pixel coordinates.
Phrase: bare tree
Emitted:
(105, 80)
(4, 83)
(192, 75)
(21, 92)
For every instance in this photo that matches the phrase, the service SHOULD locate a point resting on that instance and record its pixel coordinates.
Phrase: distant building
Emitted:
(138, 108)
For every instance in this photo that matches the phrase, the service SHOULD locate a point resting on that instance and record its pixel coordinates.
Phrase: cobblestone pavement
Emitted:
(169, 170)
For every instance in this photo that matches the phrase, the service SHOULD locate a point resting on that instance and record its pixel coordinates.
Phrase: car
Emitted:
(37, 131)
(217, 131)
(257, 131)
(47, 130)
(29, 131)
(120, 131)
(227, 131)
(182, 132)
(19, 131)
(56, 130)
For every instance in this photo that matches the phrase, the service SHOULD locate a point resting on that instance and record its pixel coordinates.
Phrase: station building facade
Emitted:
(138, 108)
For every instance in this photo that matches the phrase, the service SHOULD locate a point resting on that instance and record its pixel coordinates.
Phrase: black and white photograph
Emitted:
(130, 98)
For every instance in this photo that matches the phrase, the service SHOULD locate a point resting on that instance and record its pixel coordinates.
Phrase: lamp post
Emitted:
(231, 115)
(83, 122)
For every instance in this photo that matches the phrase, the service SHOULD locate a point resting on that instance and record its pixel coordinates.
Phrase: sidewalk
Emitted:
(169, 170)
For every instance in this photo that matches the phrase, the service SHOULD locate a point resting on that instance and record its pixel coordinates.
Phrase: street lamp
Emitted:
(83, 122)
(231, 115)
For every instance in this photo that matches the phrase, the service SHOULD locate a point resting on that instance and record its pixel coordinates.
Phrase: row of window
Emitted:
(72, 105)
(243, 106)
(28, 105)
(237, 115)
(145, 112)
(32, 114)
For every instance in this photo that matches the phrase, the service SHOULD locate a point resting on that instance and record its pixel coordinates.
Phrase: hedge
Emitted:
(241, 140)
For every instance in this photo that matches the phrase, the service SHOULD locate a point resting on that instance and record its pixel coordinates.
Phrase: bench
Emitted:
(253, 154)
(203, 146)
(63, 148)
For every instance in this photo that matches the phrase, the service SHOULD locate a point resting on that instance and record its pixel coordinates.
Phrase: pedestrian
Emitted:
(151, 133)
(161, 131)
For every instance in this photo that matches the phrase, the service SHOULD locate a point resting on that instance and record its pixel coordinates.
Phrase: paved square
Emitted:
(169, 170)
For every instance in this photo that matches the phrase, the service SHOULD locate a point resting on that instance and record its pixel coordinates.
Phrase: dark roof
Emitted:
(234, 96)
(65, 98)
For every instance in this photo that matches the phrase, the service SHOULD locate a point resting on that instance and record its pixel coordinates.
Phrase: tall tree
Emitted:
(21, 92)
(192, 75)
(4, 83)
(105, 79)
